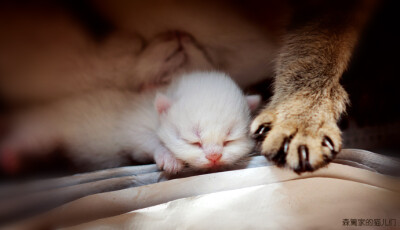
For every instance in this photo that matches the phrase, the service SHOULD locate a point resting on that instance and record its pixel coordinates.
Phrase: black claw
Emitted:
(304, 163)
(261, 132)
(299, 170)
(280, 156)
(309, 168)
(327, 159)
(329, 143)
(286, 143)
(280, 159)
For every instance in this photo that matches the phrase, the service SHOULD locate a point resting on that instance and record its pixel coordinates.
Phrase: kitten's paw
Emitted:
(167, 162)
(303, 141)
(160, 59)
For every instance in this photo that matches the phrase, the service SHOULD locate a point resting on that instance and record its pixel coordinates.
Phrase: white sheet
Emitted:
(312, 203)
(264, 197)
(254, 198)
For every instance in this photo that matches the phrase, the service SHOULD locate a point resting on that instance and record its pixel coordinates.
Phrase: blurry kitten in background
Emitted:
(201, 119)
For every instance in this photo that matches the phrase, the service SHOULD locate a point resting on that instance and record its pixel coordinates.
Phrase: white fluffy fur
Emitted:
(105, 128)
(210, 109)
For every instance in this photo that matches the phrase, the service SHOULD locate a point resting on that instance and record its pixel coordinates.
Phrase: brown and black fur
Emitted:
(301, 118)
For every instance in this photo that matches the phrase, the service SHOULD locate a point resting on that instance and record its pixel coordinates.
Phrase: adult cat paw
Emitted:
(298, 134)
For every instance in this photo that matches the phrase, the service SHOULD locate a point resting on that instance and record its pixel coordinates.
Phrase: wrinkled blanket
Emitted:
(353, 192)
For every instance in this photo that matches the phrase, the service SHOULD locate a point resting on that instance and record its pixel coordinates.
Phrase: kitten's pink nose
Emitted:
(214, 157)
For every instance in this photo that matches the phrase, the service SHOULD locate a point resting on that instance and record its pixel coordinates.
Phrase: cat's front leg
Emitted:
(298, 129)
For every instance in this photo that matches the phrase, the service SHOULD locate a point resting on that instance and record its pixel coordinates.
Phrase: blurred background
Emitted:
(372, 80)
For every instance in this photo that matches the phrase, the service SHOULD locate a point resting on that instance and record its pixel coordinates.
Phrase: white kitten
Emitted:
(200, 119)
(204, 120)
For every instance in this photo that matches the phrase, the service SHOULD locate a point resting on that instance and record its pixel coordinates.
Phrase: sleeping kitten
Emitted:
(200, 119)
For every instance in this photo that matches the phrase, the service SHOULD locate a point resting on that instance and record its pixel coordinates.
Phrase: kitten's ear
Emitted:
(162, 103)
(253, 101)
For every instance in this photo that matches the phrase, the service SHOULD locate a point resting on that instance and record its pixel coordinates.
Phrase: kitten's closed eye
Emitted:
(227, 142)
(198, 144)
(194, 143)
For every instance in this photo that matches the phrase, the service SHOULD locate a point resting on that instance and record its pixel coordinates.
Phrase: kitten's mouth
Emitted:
(208, 167)
(214, 166)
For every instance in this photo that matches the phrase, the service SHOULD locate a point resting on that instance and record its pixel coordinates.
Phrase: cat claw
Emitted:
(294, 143)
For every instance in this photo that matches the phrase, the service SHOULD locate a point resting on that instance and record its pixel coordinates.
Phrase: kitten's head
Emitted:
(204, 120)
